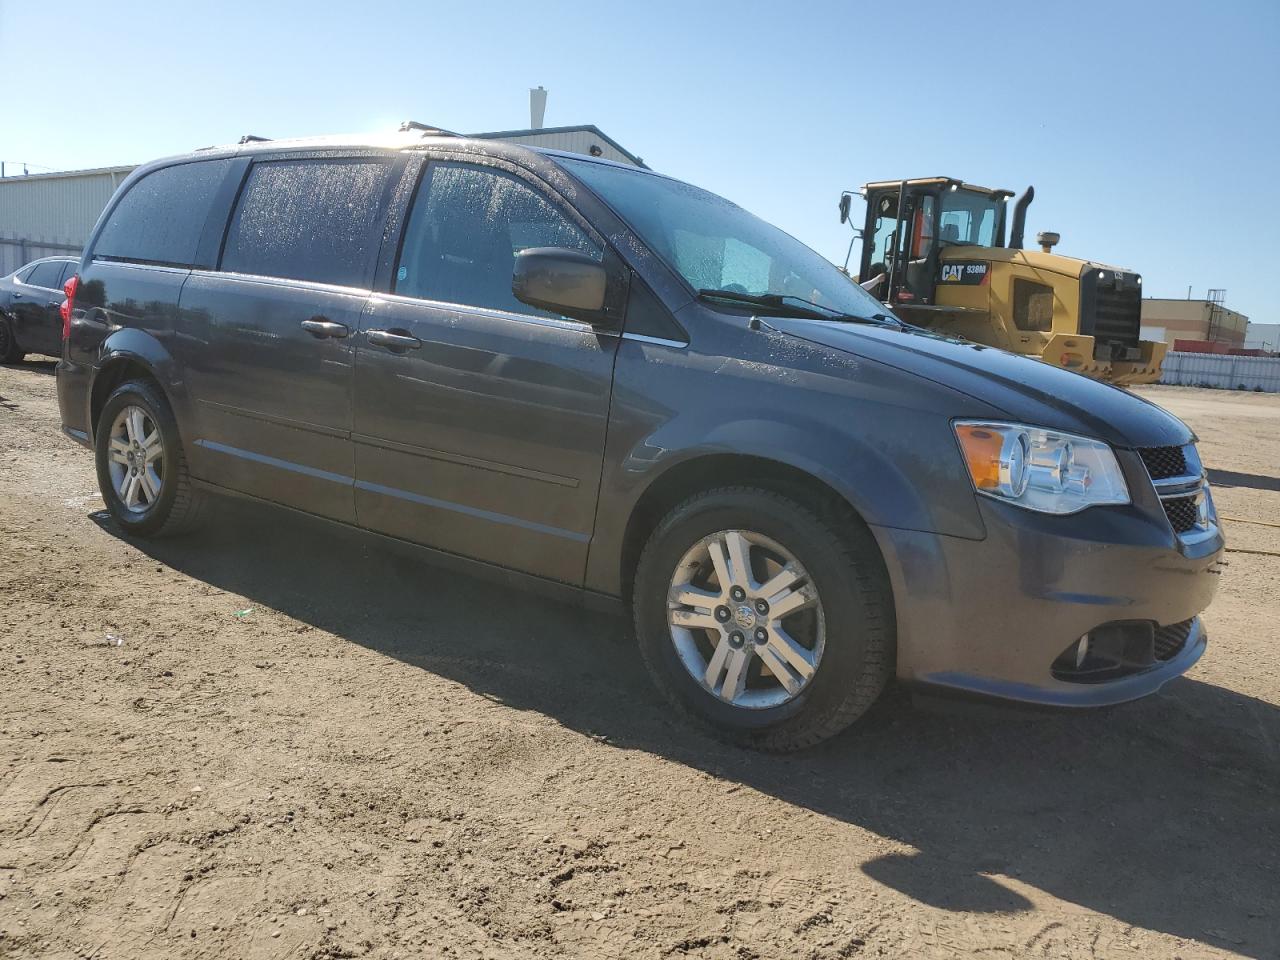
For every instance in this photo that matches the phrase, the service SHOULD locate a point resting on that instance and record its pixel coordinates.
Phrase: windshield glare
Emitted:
(717, 245)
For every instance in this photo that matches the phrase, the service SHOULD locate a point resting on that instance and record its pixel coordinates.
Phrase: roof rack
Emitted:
(426, 129)
(253, 138)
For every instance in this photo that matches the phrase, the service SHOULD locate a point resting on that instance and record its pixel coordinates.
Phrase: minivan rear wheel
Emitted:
(142, 468)
(761, 619)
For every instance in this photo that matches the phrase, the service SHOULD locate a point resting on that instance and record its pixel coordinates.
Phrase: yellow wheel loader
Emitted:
(934, 251)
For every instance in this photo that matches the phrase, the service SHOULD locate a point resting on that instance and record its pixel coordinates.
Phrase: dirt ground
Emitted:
(279, 739)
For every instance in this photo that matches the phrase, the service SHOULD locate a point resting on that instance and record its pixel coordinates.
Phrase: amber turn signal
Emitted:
(981, 446)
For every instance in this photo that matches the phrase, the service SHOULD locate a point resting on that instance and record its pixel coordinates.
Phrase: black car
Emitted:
(621, 386)
(30, 299)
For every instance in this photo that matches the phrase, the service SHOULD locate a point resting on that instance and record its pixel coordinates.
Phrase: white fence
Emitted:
(1219, 370)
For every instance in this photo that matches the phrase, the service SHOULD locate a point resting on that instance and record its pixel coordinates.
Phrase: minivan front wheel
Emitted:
(142, 470)
(763, 620)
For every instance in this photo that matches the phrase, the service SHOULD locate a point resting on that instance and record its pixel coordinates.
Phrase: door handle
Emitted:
(393, 341)
(320, 328)
(17, 295)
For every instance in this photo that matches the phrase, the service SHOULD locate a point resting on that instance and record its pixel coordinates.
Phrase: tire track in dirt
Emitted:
(336, 774)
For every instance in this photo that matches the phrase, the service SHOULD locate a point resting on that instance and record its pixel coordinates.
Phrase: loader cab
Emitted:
(911, 225)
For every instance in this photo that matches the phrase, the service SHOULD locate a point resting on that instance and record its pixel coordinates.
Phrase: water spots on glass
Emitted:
(465, 229)
(160, 217)
(308, 220)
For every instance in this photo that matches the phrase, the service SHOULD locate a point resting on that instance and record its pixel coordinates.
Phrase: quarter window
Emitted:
(162, 216)
(465, 228)
(314, 220)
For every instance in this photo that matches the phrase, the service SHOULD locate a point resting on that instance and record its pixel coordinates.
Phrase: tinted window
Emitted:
(315, 220)
(969, 218)
(161, 217)
(467, 225)
(46, 274)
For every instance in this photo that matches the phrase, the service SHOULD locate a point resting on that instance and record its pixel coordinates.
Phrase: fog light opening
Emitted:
(1108, 652)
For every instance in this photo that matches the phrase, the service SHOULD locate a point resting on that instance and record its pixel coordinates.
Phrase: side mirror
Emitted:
(845, 200)
(561, 280)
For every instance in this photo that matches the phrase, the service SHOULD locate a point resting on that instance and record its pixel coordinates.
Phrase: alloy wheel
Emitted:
(746, 620)
(135, 458)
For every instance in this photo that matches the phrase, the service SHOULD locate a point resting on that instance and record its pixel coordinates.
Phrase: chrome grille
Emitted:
(1179, 482)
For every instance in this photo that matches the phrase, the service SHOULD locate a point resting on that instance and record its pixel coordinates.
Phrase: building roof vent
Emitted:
(537, 107)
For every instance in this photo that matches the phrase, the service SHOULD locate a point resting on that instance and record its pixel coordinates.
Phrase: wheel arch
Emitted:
(129, 354)
(710, 470)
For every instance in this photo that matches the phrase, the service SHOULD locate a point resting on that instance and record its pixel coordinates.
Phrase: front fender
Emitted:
(882, 470)
(861, 474)
(903, 471)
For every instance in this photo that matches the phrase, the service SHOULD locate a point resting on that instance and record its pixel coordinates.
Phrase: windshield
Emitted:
(716, 245)
(969, 219)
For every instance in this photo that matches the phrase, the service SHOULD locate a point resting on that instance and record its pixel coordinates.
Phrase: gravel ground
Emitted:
(277, 738)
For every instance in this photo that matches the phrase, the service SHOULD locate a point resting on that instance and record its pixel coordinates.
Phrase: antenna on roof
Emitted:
(253, 138)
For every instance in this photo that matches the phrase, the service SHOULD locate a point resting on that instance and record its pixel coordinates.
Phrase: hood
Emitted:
(1024, 389)
(1038, 259)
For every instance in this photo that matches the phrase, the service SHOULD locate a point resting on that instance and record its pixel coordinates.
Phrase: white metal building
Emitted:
(46, 214)
(586, 139)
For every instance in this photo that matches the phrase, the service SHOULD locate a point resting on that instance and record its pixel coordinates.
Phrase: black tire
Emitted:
(846, 568)
(179, 506)
(10, 352)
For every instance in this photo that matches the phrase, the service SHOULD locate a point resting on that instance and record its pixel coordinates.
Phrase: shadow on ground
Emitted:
(1163, 814)
(35, 366)
(1254, 481)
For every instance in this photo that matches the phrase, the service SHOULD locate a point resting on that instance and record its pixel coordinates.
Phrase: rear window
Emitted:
(314, 220)
(162, 216)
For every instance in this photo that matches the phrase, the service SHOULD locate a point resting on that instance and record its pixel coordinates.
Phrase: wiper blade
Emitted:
(789, 306)
(772, 301)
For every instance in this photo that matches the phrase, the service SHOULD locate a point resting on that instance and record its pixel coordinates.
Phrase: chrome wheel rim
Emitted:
(135, 459)
(746, 620)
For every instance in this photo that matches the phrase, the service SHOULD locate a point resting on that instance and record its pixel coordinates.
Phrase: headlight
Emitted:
(1039, 469)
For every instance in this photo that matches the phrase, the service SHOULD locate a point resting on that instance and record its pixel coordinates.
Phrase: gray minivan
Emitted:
(618, 385)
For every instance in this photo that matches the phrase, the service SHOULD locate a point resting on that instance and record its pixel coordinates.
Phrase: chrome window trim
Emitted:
(467, 309)
(657, 341)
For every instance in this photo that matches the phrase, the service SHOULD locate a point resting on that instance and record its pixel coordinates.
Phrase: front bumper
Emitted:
(1077, 352)
(990, 617)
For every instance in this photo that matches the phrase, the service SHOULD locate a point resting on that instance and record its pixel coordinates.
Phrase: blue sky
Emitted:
(1150, 130)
